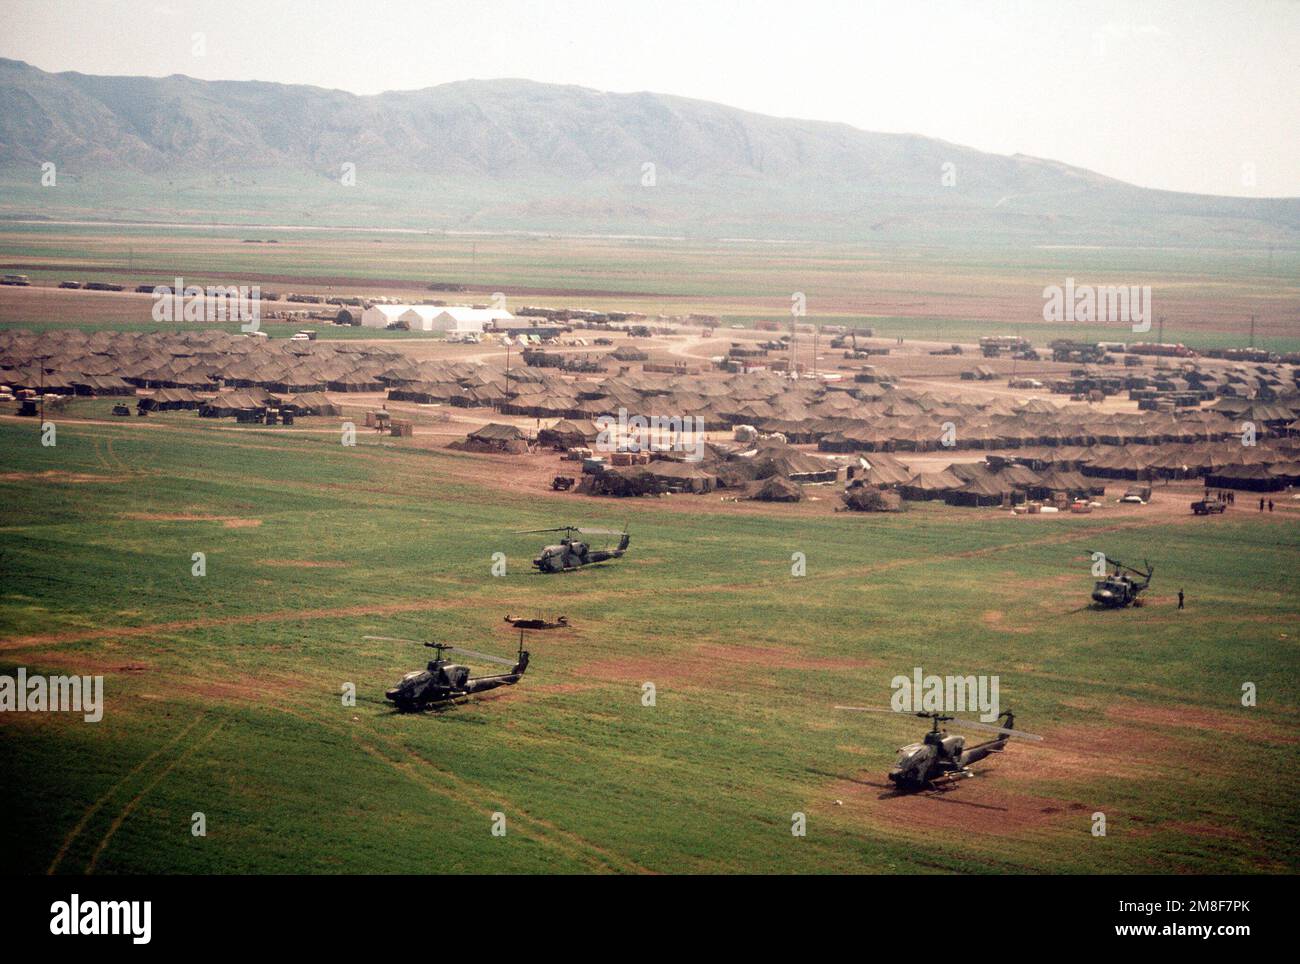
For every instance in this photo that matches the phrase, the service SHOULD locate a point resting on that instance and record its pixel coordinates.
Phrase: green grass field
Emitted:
(223, 693)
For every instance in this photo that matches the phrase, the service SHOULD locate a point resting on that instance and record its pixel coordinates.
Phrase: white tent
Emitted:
(381, 316)
(454, 319)
(458, 318)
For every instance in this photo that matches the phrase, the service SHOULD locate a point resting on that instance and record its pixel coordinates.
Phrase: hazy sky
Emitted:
(1184, 95)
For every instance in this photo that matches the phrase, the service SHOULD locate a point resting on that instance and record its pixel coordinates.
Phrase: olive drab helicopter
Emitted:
(1119, 589)
(942, 757)
(571, 553)
(443, 681)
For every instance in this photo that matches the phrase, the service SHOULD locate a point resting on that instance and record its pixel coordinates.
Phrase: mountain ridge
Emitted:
(517, 153)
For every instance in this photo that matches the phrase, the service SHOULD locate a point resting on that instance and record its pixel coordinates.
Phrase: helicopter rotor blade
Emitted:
(995, 729)
(599, 532)
(1112, 561)
(474, 654)
(954, 722)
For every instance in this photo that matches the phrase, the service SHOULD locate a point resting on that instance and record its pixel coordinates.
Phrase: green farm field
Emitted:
(224, 693)
(1205, 296)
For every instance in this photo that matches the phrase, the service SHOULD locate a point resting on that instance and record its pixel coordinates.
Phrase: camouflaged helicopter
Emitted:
(571, 553)
(1119, 589)
(942, 757)
(443, 681)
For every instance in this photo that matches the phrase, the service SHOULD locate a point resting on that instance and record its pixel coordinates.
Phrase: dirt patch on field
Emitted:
(230, 522)
(545, 689)
(989, 803)
(637, 670)
(302, 563)
(235, 689)
(1192, 718)
(1087, 751)
(90, 664)
(76, 478)
(186, 625)
(977, 805)
(996, 619)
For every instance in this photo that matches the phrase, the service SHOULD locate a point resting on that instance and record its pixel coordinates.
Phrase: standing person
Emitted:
(1180, 599)
(1261, 503)
(1270, 505)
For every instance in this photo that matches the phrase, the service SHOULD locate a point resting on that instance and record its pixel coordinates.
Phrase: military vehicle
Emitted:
(538, 622)
(443, 681)
(571, 553)
(942, 757)
(1119, 589)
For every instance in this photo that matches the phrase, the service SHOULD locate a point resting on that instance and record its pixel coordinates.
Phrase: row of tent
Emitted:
(117, 363)
(846, 418)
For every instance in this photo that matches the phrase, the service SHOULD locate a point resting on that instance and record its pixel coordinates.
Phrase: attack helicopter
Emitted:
(1119, 589)
(571, 553)
(941, 757)
(443, 681)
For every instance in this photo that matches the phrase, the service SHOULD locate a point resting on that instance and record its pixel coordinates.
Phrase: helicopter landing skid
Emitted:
(948, 781)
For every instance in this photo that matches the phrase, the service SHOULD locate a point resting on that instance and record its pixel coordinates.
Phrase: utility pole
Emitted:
(1160, 330)
(1252, 331)
(40, 426)
(507, 367)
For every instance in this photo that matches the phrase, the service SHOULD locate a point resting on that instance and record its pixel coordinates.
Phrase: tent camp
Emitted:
(312, 403)
(930, 485)
(567, 434)
(169, 400)
(496, 437)
(778, 488)
(984, 490)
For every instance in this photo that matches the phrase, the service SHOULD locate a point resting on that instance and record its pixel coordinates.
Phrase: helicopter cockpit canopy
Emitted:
(908, 753)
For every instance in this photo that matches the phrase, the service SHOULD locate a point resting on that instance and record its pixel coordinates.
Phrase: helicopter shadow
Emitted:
(940, 792)
(435, 710)
(933, 792)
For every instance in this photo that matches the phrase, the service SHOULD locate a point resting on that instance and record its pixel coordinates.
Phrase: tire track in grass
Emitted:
(94, 807)
(135, 801)
(472, 795)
